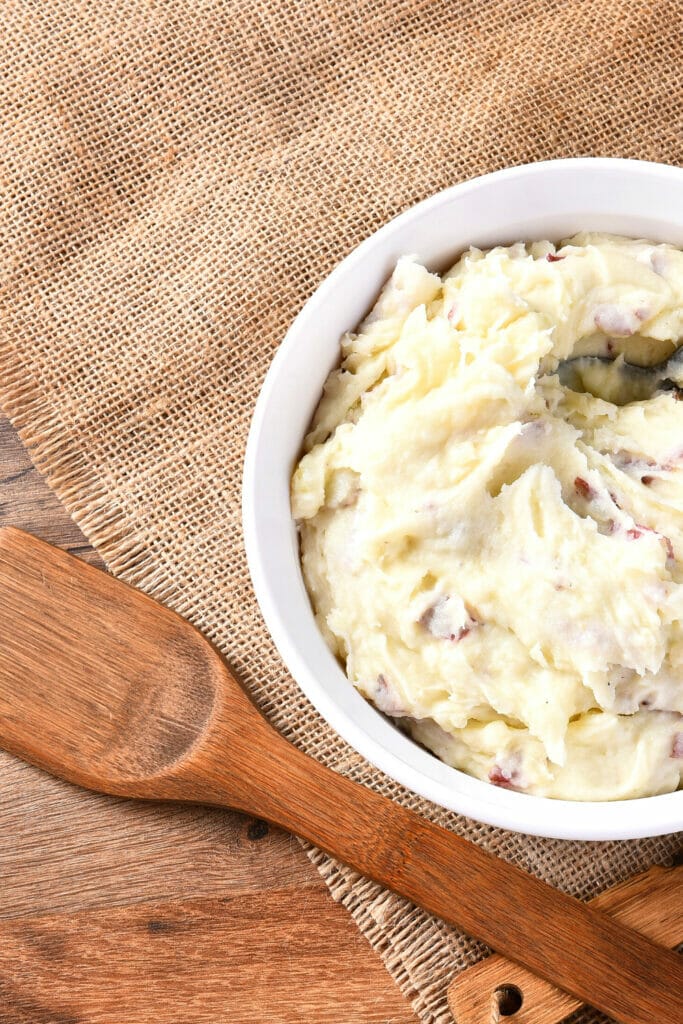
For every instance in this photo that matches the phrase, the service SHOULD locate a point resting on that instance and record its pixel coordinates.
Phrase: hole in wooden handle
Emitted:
(506, 1000)
(652, 903)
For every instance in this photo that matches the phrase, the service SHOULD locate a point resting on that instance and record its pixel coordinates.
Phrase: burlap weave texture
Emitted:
(176, 178)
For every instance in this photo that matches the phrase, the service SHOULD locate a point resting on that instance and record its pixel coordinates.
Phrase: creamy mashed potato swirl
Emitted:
(491, 514)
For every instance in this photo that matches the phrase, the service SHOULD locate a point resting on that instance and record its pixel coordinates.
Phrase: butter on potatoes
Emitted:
(495, 558)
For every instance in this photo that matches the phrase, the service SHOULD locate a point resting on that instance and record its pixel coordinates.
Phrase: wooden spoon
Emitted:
(104, 687)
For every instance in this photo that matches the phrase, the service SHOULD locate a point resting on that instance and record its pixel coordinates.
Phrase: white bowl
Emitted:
(544, 200)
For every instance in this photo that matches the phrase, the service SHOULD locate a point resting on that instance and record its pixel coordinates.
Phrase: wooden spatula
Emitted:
(104, 687)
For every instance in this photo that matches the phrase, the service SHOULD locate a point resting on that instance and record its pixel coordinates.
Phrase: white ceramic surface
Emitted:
(543, 200)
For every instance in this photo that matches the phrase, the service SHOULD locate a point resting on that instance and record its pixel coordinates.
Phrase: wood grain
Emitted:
(175, 962)
(652, 903)
(27, 501)
(64, 849)
(105, 687)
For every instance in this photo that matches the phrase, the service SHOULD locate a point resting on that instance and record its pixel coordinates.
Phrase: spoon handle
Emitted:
(577, 948)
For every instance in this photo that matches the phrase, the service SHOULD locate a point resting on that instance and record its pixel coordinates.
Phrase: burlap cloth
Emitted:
(177, 177)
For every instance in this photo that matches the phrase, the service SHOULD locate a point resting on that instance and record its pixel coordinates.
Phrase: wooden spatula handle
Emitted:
(579, 949)
(652, 903)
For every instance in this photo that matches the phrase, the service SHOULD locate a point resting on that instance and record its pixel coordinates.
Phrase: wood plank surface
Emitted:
(255, 936)
(253, 959)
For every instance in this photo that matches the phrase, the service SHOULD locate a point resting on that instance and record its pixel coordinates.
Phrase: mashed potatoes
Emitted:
(491, 514)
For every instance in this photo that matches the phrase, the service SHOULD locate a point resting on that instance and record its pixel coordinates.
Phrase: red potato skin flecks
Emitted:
(552, 258)
(426, 620)
(498, 778)
(638, 531)
(387, 699)
(583, 488)
(508, 775)
(618, 321)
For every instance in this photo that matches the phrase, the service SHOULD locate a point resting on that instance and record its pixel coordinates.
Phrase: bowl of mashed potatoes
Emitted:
(463, 499)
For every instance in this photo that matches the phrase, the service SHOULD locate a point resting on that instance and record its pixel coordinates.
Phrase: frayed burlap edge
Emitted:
(71, 476)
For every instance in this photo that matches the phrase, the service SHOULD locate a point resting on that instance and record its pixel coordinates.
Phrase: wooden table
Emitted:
(121, 913)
